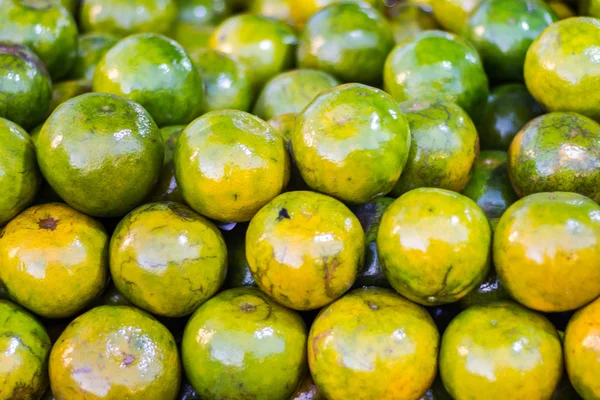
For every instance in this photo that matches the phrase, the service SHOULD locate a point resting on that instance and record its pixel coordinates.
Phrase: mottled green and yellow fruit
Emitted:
(242, 345)
(167, 188)
(113, 353)
(124, 17)
(166, 259)
(54, 260)
(351, 143)
(582, 351)
(291, 91)
(285, 124)
(500, 350)
(109, 160)
(443, 149)
(434, 245)
(26, 88)
(65, 90)
(90, 50)
(546, 251)
(453, 14)
(408, 19)
(373, 344)
(155, 72)
(202, 12)
(24, 350)
(266, 46)
(556, 152)
(229, 164)
(20, 177)
(305, 249)
(562, 70)
(348, 40)
(44, 26)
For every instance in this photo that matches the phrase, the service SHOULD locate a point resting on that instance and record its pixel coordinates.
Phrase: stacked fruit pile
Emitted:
(299, 199)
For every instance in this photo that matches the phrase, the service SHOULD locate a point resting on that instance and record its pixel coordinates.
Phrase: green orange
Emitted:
(489, 290)
(238, 270)
(66, 90)
(285, 124)
(453, 14)
(167, 189)
(91, 47)
(307, 391)
(409, 18)
(202, 12)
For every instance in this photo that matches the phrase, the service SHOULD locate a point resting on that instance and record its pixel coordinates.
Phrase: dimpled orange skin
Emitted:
(53, 259)
(500, 351)
(547, 251)
(115, 353)
(562, 67)
(229, 164)
(582, 351)
(304, 249)
(434, 245)
(373, 344)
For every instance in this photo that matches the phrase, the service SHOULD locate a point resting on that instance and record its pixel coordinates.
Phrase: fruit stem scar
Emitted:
(247, 307)
(128, 360)
(48, 223)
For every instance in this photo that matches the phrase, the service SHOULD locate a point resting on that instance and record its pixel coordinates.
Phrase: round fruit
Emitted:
(284, 125)
(112, 297)
(202, 12)
(226, 81)
(546, 251)
(24, 350)
(509, 107)
(115, 352)
(26, 88)
(66, 90)
(167, 189)
(369, 216)
(155, 72)
(503, 350)
(90, 50)
(45, 27)
(238, 270)
(347, 40)
(453, 14)
(124, 17)
(266, 46)
(241, 344)
(20, 177)
(192, 37)
(503, 30)
(291, 92)
(582, 353)
(443, 149)
(437, 64)
(408, 19)
(434, 245)
(491, 289)
(562, 70)
(490, 187)
(109, 160)
(556, 152)
(307, 391)
(351, 143)
(54, 260)
(229, 164)
(166, 259)
(373, 344)
(305, 249)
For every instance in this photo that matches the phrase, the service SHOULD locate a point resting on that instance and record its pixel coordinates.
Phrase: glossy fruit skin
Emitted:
(555, 264)
(167, 189)
(510, 26)
(244, 325)
(348, 40)
(202, 12)
(65, 90)
(229, 164)
(304, 249)
(453, 14)
(556, 152)
(561, 71)
(437, 64)
(246, 36)
(490, 187)
(115, 352)
(166, 259)
(503, 350)
(369, 216)
(91, 47)
(192, 37)
(20, 176)
(490, 290)
(123, 17)
(291, 91)
(373, 344)
(45, 27)
(112, 176)
(409, 18)
(443, 149)
(509, 107)
(26, 88)
(284, 125)
(226, 81)
(24, 350)
(434, 245)
(352, 143)
(238, 270)
(308, 390)
(582, 352)
(173, 96)
(112, 297)
(54, 260)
